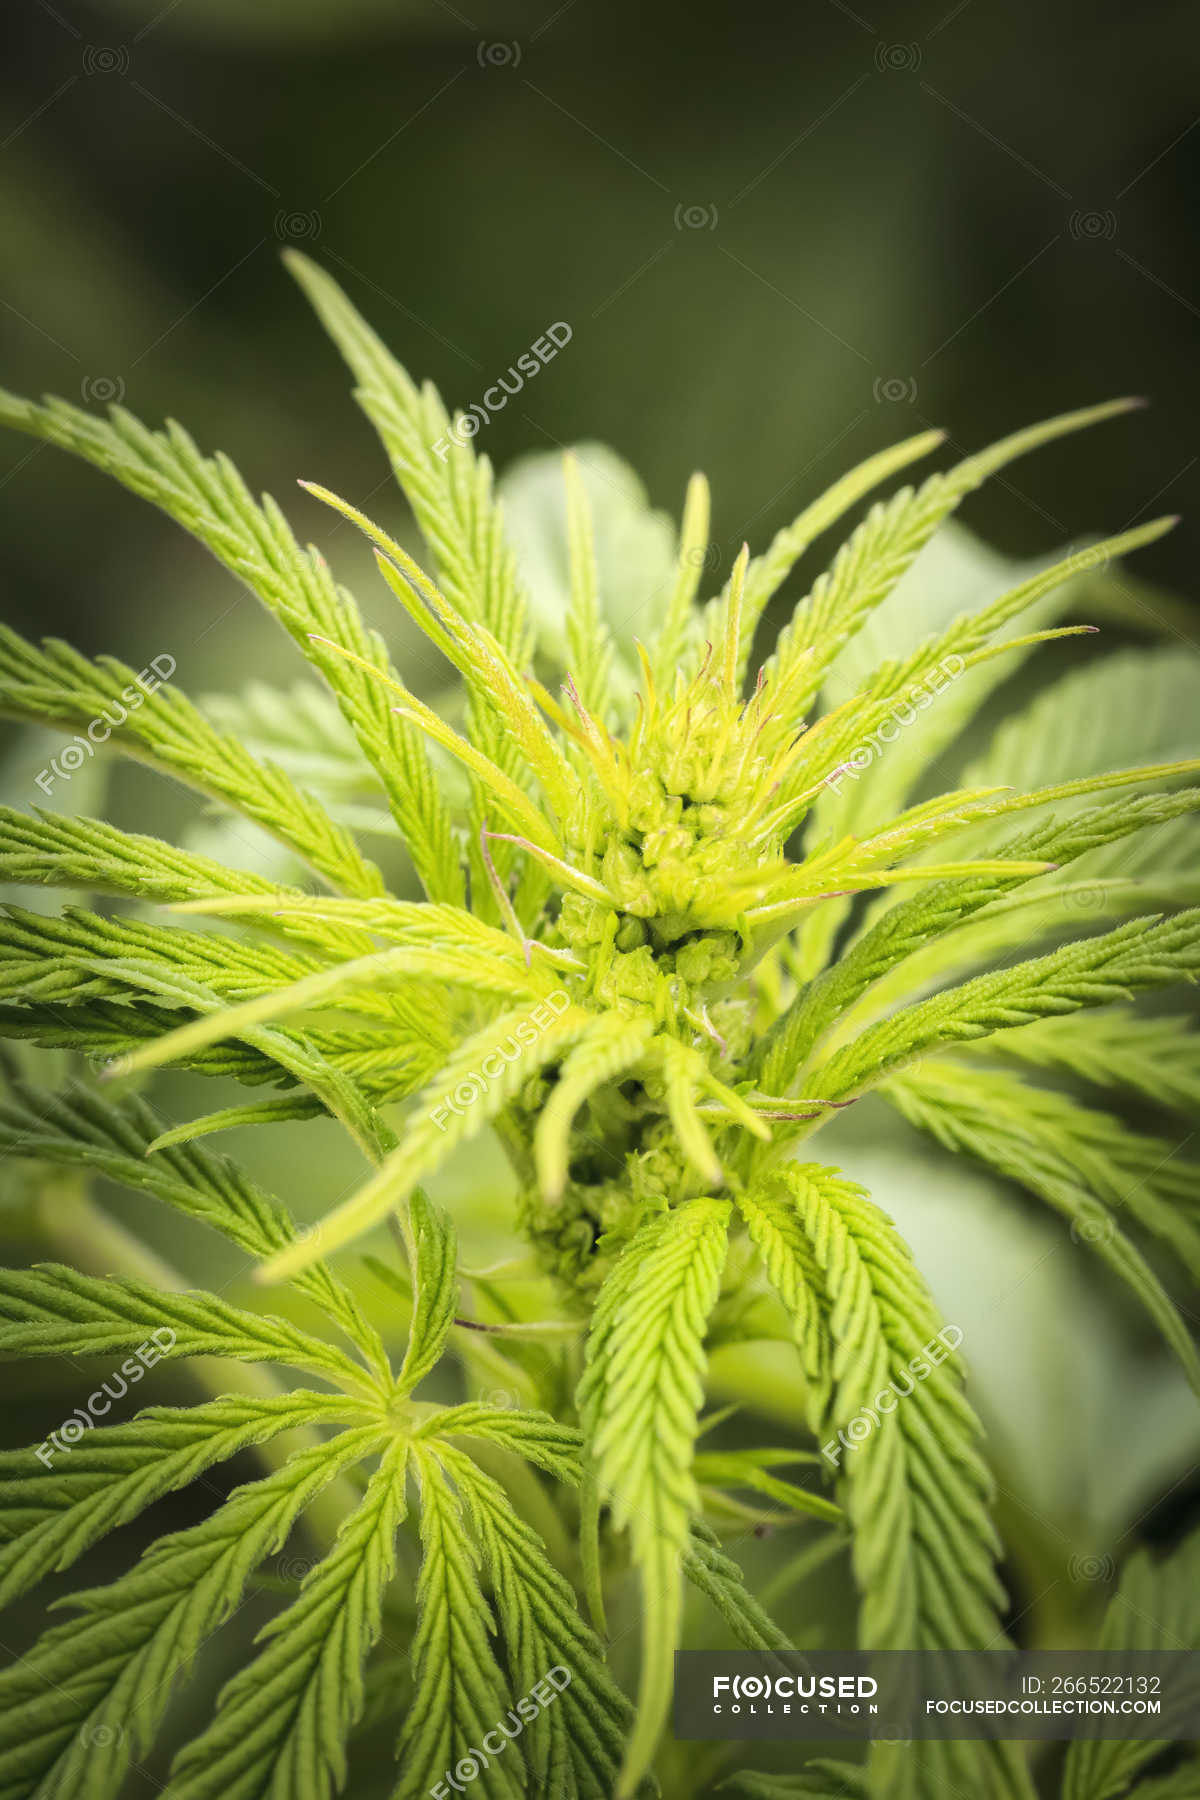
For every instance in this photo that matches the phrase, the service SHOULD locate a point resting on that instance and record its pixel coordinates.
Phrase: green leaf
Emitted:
(77, 1129)
(910, 1476)
(280, 1110)
(1157, 1059)
(676, 638)
(589, 648)
(458, 1104)
(640, 1399)
(433, 1253)
(57, 685)
(302, 729)
(752, 1469)
(51, 1310)
(89, 1697)
(460, 1693)
(343, 1097)
(610, 1047)
(57, 851)
(208, 497)
(575, 1743)
(1134, 706)
(869, 565)
(814, 619)
(1080, 1163)
(969, 641)
(1147, 953)
(384, 1064)
(633, 547)
(359, 984)
(281, 1724)
(928, 918)
(535, 1436)
(82, 956)
(953, 574)
(721, 1582)
(450, 494)
(1155, 1607)
(53, 1508)
(450, 491)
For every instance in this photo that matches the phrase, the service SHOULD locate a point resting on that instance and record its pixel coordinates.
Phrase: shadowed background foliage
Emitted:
(780, 240)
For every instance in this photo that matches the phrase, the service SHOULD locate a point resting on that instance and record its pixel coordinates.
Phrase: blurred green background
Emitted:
(781, 240)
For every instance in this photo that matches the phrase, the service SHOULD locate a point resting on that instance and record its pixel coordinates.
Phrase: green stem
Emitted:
(96, 1244)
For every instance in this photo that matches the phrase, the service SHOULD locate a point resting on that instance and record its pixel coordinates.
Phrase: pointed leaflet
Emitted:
(768, 572)
(910, 1475)
(281, 1724)
(89, 1697)
(340, 1094)
(281, 1110)
(574, 1745)
(495, 686)
(1156, 1607)
(920, 827)
(725, 1470)
(89, 853)
(1135, 706)
(954, 573)
(459, 1691)
(589, 648)
(968, 815)
(685, 1073)
(929, 917)
(678, 630)
(634, 547)
(51, 1310)
(359, 922)
(76, 1128)
(159, 726)
(356, 984)
(532, 1435)
(1157, 1059)
(103, 1029)
(722, 1583)
(1038, 1141)
(449, 489)
(1151, 1178)
(829, 747)
(459, 1102)
(382, 1064)
(82, 956)
(208, 497)
(873, 560)
(433, 1258)
(302, 728)
(52, 1511)
(1146, 953)
(639, 1399)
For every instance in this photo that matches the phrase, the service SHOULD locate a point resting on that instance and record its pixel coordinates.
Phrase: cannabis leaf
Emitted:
(1154, 1608)
(639, 1401)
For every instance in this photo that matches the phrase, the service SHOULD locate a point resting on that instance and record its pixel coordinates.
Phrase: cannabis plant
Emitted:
(683, 903)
